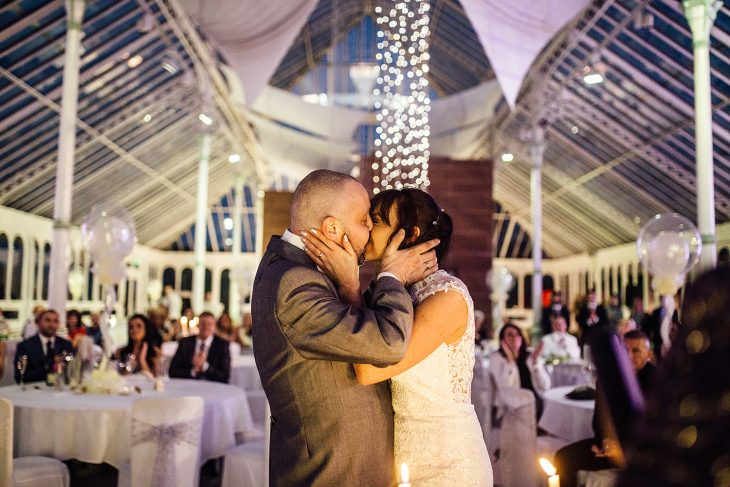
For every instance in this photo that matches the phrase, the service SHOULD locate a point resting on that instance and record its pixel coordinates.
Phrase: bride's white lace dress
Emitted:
(436, 429)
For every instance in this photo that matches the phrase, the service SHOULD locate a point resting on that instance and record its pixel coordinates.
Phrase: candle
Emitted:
(553, 477)
(404, 477)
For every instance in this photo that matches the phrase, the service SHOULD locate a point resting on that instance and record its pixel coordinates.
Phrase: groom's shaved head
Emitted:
(318, 196)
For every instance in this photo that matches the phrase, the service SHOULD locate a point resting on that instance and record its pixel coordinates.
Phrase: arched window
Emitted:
(36, 278)
(527, 291)
(208, 280)
(16, 281)
(168, 277)
(46, 270)
(186, 282)
(225, 288)
(3, 265)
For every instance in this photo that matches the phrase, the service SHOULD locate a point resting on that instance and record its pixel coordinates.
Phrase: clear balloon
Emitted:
(669, 245)
(499, 280)
(109, 234)
(76, 283)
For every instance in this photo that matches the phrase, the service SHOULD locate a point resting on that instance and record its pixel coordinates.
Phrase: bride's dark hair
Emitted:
(414, 208)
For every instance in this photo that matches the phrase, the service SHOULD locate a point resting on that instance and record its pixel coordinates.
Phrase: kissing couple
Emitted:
(359, 383)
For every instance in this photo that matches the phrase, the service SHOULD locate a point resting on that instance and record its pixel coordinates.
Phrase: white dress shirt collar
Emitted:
(293, 239)
(45, 340)
(207, 342)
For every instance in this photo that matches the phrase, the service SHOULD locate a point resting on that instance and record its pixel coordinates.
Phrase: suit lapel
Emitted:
(287, 251)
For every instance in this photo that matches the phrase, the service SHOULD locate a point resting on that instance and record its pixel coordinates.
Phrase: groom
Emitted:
(326, 428)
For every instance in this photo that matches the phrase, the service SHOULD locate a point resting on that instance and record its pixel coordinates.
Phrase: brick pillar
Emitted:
(464, 190)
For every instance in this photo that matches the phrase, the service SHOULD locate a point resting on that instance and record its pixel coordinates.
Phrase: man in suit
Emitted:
(205, 356)
(591, 316)
(658, 326)
(42, 348)
(326, 428)
(556, 308)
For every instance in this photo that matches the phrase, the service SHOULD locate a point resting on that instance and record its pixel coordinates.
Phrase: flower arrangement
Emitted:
(104, 380)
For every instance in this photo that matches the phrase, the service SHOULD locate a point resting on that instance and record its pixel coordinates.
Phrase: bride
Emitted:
(436, 433)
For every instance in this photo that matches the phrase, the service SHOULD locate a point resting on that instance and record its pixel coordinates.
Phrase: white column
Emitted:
(201, 215)
(60, 248)
(537, 148)
(700, 16)
(234, 300)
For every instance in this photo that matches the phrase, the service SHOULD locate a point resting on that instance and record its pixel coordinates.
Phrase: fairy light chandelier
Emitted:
(401, 148)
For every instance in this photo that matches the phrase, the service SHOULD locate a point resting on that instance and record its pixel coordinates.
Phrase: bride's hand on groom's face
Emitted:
(412, 264)
(340, 263)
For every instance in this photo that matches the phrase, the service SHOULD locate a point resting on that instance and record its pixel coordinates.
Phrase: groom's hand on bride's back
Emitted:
(412, 264)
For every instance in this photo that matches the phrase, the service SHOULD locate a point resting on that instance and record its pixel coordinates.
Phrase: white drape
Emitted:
(253, 35)
(513, 34)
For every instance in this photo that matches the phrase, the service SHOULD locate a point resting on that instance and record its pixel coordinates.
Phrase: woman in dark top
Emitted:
(142, 344)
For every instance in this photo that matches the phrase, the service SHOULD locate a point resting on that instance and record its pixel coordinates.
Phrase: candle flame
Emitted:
(547, 466)
(404, 477)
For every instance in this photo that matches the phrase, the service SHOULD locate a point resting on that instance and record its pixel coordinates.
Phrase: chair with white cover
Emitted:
(26, 471)
(243, 465)
(235, 349)
(165, 443)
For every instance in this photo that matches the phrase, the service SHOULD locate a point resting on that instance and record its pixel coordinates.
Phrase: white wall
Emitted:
(143, 265)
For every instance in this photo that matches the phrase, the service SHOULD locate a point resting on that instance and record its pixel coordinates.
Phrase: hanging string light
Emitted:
(401, 148)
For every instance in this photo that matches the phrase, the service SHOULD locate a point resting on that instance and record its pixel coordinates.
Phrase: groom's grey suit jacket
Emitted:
(326, 428)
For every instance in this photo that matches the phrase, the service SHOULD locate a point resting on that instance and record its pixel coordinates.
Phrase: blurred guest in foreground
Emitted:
(598, 453)
(141, 350)
(204, 356)
(42, 348)
(682, 440)
(513, 366)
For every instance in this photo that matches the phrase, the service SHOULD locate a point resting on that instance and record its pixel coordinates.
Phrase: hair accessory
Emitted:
(438, 216)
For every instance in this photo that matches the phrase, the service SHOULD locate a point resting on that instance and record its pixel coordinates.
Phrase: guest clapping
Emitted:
(142, 340)
(205, 356)
(513, 366)
(42, 349)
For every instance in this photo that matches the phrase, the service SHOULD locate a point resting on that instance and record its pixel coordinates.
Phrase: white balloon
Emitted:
(668, 254)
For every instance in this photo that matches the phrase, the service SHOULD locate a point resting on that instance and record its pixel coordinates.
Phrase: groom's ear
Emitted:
(332, 229)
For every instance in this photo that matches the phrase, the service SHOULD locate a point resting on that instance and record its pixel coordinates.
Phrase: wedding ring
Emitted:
(321, 254)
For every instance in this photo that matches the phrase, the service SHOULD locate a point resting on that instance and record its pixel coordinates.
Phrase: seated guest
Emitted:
(158, 318)
(243, 334)
(614, 312)
(225, 328)
(41, 349)
(625, 325)
(94, 331)
(513, 366)
(204, 356)
(75, 328)
(556, 308)
(559, 343)
(141, 345)
(30, 327)
(595, 453)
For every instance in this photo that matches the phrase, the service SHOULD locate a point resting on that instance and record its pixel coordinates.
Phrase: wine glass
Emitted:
(22, 366)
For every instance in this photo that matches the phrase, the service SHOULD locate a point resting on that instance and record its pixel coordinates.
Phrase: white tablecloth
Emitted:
(566, 418)
(244, 373)
(96, 428)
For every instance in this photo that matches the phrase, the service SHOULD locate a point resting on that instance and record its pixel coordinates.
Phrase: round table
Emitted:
(96, 428)
(244, 373)
(565, 418)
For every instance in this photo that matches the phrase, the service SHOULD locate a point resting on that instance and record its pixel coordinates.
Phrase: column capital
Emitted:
(700, 15)
(75, 13)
